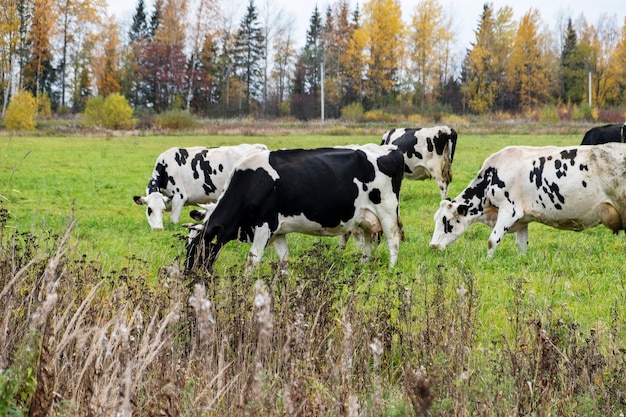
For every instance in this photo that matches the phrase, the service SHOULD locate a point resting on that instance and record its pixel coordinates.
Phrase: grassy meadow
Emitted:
(444, 333)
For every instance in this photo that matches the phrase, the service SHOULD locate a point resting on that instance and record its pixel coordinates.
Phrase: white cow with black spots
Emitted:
(428, 153)
(569, 188)
(186, 176)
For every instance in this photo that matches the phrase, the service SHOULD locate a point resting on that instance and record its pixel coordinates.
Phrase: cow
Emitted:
(185, 176)
(605, 134)
(568, 188)
(321, 192)
(428, 153)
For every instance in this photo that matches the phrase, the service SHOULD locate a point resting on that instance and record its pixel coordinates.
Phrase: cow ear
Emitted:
(197, 215)
(139, 200)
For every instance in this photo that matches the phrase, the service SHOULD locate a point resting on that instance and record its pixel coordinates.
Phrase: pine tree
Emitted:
(139, 29)
(565, 71)
(248, 58)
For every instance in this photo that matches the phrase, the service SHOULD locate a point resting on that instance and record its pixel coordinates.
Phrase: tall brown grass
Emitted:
(327, 339)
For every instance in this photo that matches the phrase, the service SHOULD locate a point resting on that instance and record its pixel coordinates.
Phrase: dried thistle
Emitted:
(417, 387)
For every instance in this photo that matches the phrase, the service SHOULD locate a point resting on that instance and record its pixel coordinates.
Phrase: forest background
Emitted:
(363, 63)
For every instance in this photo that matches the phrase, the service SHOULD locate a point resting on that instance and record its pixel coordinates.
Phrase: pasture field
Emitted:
(450, 332)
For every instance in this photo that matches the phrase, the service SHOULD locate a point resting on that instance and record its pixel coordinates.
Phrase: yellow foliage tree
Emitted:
(529, 71)
(428, 47)
(383, 26)
(106, 63)
(21, 112)
(355, 61)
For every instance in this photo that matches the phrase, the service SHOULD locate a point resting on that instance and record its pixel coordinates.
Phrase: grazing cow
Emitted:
(185, 176)
(569, 188)
(428, 153)
(322, 192)
(605, 134)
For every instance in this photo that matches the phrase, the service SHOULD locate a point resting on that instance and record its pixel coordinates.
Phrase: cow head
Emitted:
(201, 252)
(156, 204)
(451, 220)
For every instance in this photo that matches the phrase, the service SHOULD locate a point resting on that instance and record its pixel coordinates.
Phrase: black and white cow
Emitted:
(322, 192)
(428, 153)
(185, 176)
(605, 134)
(569, 188)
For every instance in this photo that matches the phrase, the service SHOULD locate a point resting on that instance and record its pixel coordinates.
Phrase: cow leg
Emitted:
(280, 245)
(262, 237)
(177, 209)
(343, 241)
(507, 217)
(521, 238)
(393, 234)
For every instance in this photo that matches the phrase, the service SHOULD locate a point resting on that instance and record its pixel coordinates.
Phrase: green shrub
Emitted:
(176, 120)
(114, 112)
(549, 113)
(583, 112)
(44, 106)
(353, 112)
(117, 113)
(21, 112)
(93, 114)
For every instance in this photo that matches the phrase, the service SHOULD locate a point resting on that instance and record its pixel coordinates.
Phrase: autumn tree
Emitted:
(203, 16)
(620, 59)
(384, 28)
(163, 62)
(284, 59)
(603, 39)
(9, 29)
(428, 48)
(39, 71)
(76, 22)
(485, 63)
(338, 30)
(106, 63)
(354, 61)
(529, 71)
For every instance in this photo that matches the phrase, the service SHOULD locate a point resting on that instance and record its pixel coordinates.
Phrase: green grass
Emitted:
(446, 310)
(43, 179)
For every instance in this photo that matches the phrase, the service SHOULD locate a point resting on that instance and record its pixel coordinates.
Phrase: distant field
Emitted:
(539, 333)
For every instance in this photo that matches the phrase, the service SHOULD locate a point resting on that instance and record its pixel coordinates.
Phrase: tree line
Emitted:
(185, 54)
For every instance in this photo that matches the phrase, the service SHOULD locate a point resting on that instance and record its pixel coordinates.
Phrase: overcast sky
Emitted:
(465, 13)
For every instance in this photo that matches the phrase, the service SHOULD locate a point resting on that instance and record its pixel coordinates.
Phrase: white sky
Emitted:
(465, 13)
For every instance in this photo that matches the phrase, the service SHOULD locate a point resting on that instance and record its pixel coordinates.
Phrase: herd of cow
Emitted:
(250, 193)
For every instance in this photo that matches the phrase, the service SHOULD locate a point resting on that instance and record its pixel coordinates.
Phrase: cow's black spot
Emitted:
(375, 196)
(584, 183)
(447, 225)
(149, 211)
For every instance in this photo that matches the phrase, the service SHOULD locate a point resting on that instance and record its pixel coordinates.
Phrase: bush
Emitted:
(114, 112)
(583, 112)
(44, 106)
(117, 113)
(176, 120)
(21, 112)
(549, 113)
(353, 112)
(93, 114)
